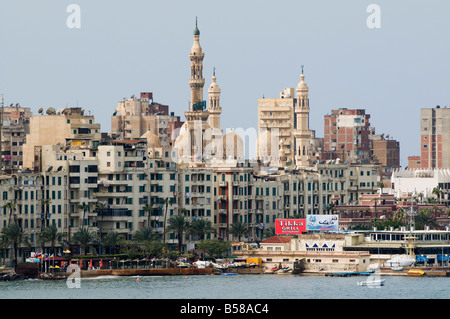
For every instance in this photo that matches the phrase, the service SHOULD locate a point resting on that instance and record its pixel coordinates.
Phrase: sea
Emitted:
(279, 293)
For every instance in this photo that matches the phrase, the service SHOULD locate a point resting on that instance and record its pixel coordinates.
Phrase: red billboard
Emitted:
(290, 226)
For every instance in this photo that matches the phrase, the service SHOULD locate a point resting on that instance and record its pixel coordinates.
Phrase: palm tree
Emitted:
(45, 203)
(420, 195)
(180, 225)
(112, 239)
(239, 229)
(50, 234)
(100, 208)
(11, 205)
(83, 206)
(166, 202)
(13, 236)
(149, 209)
(84, 237)
(426, 218)
(437, 192)
(201, 227)
(146, 236)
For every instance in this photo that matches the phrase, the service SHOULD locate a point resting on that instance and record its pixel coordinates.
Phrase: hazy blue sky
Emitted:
(257, 48)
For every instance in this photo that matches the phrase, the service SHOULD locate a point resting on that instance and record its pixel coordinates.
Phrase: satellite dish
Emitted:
(50, 111)
(40, 110)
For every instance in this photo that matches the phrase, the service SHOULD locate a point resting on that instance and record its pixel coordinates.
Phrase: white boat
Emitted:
(219, 266)
(400, 261)
(397, 268)
(371, 283)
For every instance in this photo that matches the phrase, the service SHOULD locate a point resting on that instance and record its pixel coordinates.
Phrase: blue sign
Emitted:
(322, 222)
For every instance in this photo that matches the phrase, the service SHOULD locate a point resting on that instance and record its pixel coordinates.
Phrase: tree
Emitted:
(84, 237)
(83, 206)
(426, 218)
(201, 227)
(112, 239)
(149, 210)
(179, 224)
(50, 234)
(214, 247)
(45, 204)
(420, 195)
(146, 236)
(100, 208)
(437, 192)
(11, 205)
(239, 229)
(166, 202)
(13, 236)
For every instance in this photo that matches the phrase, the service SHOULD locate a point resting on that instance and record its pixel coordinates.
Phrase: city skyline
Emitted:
(257, 50)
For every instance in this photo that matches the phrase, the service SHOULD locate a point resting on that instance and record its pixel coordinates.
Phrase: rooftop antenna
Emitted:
(302, 68)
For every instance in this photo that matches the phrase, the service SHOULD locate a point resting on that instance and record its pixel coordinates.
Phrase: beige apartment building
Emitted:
(136, 118)
(284, 136)
(68, 127)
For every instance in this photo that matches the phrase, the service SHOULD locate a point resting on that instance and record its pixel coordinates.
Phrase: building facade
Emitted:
(435, 137)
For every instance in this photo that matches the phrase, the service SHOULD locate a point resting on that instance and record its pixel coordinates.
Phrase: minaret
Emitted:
(196, 82)
(214, 108)
(197, 115)
(302, 132)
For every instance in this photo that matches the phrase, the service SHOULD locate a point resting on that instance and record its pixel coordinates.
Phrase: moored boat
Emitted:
(416, 272)
(397, 268)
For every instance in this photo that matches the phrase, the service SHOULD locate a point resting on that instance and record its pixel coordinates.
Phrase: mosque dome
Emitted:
(152, 140)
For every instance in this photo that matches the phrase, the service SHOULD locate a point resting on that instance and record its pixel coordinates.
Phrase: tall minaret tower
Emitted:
(302, 132)
(214, 108)
(196, 82)
(197, 115)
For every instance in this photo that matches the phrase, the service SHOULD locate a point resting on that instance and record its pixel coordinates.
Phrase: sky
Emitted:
(257, 48)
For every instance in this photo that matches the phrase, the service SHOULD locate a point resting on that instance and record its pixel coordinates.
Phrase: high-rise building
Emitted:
(346, 135)
(136, 118)
(284, 137)
(68, 127)
(435, 137)
(15, 122)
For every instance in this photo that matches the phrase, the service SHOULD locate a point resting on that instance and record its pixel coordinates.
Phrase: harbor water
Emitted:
(228, 287)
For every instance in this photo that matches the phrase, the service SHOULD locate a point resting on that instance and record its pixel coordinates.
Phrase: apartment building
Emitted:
(346, 135)
(435, 137)
(14, 127)
(135, 117)
(67, 127)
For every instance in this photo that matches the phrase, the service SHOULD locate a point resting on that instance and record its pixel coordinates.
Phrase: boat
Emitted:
(229, 274)
(284, 270)
(397, 268)
(416, 272)
(371, 283)
(400, 261)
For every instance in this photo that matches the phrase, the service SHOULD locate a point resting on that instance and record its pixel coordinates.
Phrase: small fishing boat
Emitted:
(397, 268)
(416, 272)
